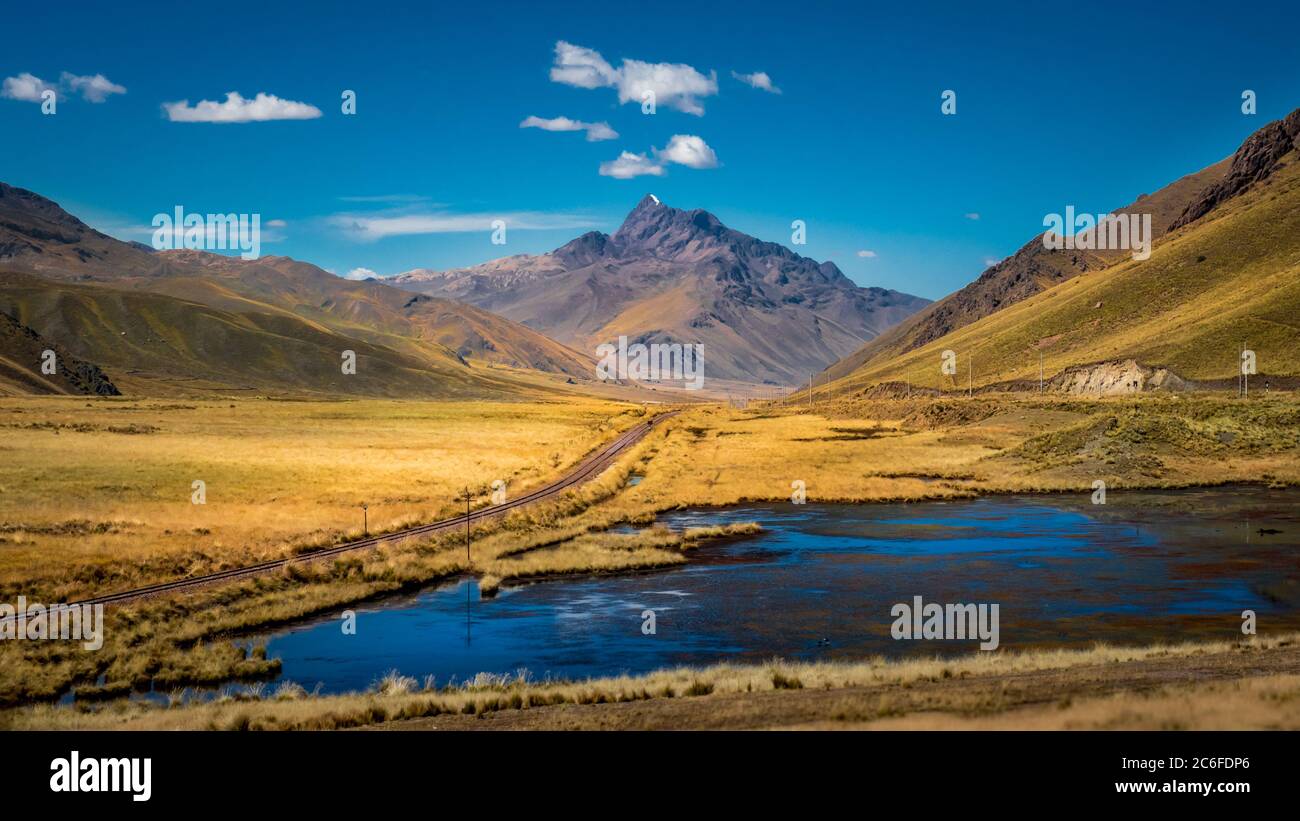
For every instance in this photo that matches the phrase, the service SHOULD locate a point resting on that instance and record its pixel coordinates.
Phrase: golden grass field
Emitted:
(95, 497)
(1251, 684)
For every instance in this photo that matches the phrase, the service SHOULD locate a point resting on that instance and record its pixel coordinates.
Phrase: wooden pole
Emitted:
(468, 560)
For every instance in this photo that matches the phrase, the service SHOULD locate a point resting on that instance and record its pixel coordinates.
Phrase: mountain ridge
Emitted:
(1224, 278)
(1030, 270)
(674, 275)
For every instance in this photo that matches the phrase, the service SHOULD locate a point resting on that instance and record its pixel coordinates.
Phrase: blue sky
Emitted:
(1087, 110)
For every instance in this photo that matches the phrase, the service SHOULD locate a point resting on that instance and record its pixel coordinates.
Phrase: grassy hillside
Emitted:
(170, 344)
(22, 355)
(1225, 280)
(416, 324)
(1029, 271)
(199, 319)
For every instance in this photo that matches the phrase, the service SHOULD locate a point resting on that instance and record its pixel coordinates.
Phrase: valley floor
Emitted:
(95, 497)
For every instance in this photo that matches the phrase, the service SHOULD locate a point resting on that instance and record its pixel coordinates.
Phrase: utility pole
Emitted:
(365, 519)
(467, 497)
(1245, 377)
(970, 375)
(1040, 370)
(810, 404)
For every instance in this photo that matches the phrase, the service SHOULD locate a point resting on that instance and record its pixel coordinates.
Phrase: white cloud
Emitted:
(675, 85)
(370, 227)
(25, 87)
(989, 263)
(276, 223)
(683, 149)
(867, 254)
(236, 109)
(360, 273)
(759, 80)
(972, 216)
(629, 165)
(581, 67)
(595, 131)
(92, 88)
(688, 150)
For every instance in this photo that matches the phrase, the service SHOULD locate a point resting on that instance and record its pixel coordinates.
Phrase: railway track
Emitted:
(588, 469)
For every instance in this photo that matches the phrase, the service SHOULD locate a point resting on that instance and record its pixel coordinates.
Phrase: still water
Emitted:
(820, 581)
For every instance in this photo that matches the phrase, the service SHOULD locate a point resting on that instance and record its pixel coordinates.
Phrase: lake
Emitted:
(820, 582)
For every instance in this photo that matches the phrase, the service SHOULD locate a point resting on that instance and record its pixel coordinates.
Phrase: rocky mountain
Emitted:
(1257, 158)
(191, 317)
(1031, 270)
(1223, 275)
(762, 312)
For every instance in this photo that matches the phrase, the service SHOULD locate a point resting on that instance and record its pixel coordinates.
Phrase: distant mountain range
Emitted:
(1224, 271)
(762, 312)
(195, 321)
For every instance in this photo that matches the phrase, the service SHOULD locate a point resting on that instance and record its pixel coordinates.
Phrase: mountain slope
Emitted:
(1228, 278)
(172, 344)
(415, 324)
(307, 308)
(762, 312)
(22, 354)
(1029, 271)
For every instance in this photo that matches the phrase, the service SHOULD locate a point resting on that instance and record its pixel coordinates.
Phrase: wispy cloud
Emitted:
(386, 198)
(360, 273)
(595, 131)
(376, 226)
(126, 230)
(683, 149)
(759, 80)
(675, 85)
(237, 109)
(94, 88)
(629, 165)
(867, 254)
(27, 87)
(973, 215)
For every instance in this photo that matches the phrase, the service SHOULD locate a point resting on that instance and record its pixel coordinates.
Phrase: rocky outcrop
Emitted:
(1257, 158)
(22, 356)
(1115, 379)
